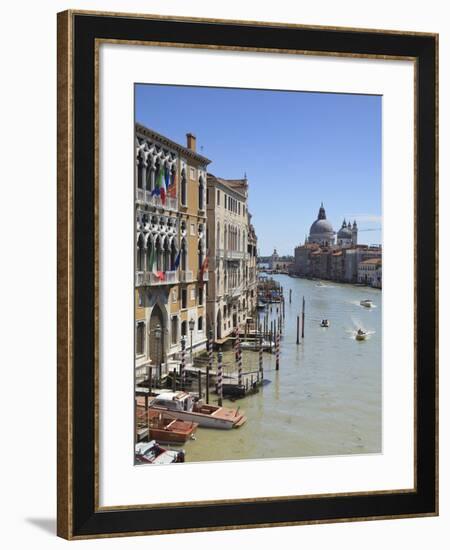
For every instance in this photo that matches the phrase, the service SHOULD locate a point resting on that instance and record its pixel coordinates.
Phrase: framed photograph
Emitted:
(247, 274)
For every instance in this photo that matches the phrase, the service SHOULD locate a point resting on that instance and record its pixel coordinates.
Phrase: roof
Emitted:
(148, 132)
(376, 261)
(239, 186)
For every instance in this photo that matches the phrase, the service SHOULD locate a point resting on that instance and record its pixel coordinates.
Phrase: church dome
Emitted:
(344, 233)
(321, 226)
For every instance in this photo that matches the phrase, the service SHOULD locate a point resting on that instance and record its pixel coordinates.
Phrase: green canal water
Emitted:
(326, 397)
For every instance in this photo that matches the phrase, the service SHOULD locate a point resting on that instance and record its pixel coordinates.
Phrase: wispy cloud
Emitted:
(366, 218)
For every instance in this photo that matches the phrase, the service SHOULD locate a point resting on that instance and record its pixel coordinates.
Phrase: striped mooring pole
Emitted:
(219, 377)
(277, 348)
(183, 362)
(261, 372)
(210, 349)
(239, 356)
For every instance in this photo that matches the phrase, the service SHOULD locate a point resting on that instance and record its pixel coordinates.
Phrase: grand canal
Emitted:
(326, 398)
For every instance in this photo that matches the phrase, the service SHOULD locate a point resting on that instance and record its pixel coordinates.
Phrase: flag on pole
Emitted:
(172, 189)
(203, 268)
(152, 265)
(177, 261)
(160, 188)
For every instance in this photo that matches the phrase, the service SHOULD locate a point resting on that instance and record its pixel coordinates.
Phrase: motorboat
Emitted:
(366, 303)
(253, 345)
(361, 334)
(181, 405)
(325, 323)
(152, 453)
(166, 429)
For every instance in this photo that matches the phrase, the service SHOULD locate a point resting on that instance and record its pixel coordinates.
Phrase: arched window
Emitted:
(183, 185)
(183, 255)
(140, 173)
(201, 194)
(159, 254)
(140, 260)
(166, 255)
(200, 254)
(173, 254)
(150, 176)
(174, 329)
(150, 254)
(200, 323)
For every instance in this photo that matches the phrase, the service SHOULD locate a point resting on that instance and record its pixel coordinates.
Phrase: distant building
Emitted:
(369, 272)
(327, 255)
(280, 263)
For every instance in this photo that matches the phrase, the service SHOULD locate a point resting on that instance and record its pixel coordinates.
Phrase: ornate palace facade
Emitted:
(171, 274)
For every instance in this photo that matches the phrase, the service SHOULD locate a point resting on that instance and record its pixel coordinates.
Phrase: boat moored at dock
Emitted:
(152, 453)
(181, 405)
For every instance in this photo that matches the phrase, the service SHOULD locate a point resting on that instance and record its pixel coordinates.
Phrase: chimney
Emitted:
(191, 142)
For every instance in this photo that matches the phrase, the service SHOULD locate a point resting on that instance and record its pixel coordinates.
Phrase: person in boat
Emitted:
(360, 332)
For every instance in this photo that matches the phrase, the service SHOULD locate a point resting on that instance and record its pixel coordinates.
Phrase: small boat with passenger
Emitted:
(360, 334)
(366, 303)
(325, 323)
(152, 453)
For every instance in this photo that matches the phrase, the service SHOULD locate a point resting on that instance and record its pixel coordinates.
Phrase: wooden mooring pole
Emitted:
(199, 383)
(207, 385)
(303, 317)
(277, 351)
(183, 363)
(298, 329)
(290, 295)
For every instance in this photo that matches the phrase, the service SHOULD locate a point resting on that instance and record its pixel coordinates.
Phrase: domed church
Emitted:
(321, 231)
(347, 234)
(323, 234)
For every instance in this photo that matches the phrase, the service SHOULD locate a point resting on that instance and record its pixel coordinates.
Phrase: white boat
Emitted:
(366, 303)
(253, 345)
(152, 453)
(181, 405)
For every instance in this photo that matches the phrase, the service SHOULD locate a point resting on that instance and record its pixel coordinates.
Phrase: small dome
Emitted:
(344, 233)
(321, 226)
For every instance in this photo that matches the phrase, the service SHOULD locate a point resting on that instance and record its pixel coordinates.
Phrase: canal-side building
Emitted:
(327, 255)
(171, 263)
(232, 256)
(280, 263)
(369, 272)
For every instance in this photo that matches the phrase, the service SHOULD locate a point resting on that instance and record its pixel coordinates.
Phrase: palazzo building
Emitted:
(170, 266)
(232, 246)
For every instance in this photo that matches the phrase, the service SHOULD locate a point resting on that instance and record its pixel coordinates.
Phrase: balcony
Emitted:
(186, 276)
(150, 279)
(139, 278)
(234, 255)
(145, 197)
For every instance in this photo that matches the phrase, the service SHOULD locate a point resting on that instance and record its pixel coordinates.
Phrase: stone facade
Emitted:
(232, 258)
(170, 275)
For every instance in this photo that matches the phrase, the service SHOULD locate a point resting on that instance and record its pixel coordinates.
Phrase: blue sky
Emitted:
(297, 149)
